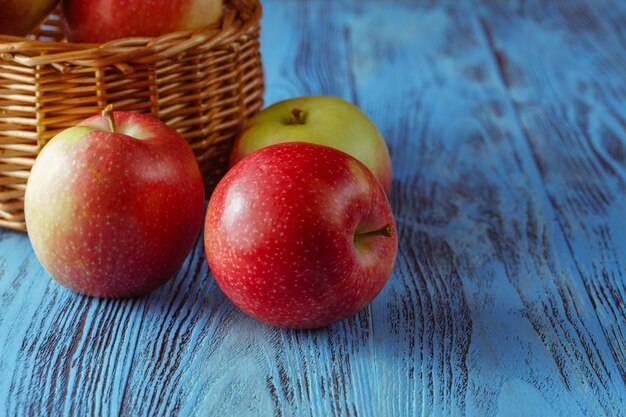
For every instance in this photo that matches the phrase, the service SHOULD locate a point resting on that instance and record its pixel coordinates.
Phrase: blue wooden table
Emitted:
(506, 122)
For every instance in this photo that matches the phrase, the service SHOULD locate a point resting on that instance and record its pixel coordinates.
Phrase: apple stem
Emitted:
(298, 116)
(108, 113)
(386, 231)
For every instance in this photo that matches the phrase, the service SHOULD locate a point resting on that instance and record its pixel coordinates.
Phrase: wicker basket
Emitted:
(203, 84)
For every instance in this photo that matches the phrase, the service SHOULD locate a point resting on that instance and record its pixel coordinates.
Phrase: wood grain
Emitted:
(573, 129)
(507, 128)
(62, 354)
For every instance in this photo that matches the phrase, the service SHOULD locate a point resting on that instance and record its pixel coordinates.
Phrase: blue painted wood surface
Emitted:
(506, 123)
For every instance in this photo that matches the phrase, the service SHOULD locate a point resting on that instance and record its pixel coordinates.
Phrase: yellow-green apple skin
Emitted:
(324, 120)
(18, 17)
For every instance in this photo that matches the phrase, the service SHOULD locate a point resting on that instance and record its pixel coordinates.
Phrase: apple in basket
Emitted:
(19, 17)
(324, 120)
(300, 235)
(114, 205)
(97, 21)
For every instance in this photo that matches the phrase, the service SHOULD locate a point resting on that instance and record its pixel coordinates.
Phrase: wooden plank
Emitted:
(60, 353)
(490, 295)
(575, 125)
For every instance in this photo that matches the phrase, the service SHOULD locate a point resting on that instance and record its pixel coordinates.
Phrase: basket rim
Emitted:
(136, 50)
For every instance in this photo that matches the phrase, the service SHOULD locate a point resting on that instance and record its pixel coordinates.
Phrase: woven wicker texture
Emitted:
(204, 84)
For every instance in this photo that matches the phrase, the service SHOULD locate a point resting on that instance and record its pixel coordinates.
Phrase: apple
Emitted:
(324, 120)
(19, 17)
(114, 205)
(97, 21)
(300, 235)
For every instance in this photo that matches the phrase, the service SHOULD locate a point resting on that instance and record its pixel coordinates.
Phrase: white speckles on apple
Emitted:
(294, 239)
(131, 233)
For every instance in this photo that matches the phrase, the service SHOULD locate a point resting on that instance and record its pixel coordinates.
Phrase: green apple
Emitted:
(324, 120)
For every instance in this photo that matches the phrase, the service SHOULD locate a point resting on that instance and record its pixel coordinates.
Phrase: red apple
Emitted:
(325, 120)
(300, 235)
(19, 17)
(113, 211)
(97, 21)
